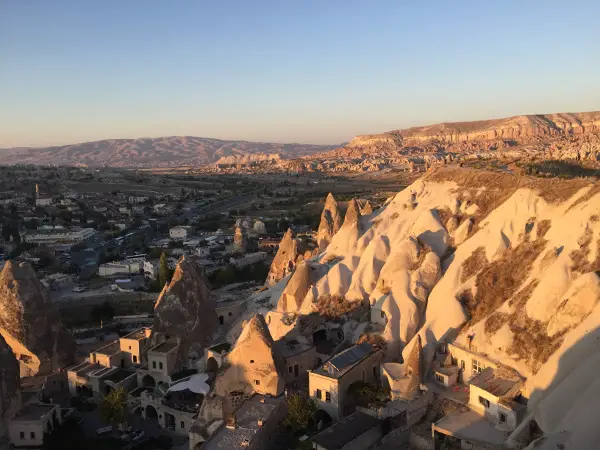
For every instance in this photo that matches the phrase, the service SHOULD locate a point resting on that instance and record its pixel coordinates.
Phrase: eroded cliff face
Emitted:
(547, 136)
(30, 324)
(10, 392)
(504, 263)
(186, 310)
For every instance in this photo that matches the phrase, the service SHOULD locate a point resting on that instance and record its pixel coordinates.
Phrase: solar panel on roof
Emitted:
(351, 356)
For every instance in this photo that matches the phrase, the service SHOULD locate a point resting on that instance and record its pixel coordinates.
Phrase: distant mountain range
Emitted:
(169, 151)
(550, 136)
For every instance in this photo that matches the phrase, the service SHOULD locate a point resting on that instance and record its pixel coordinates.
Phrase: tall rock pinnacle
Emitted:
(30, 324)
(291, 251)
(352, 213)
(331, 221)
(186, 310)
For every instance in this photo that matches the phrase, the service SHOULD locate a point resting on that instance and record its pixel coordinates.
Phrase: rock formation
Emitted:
(186, 310)
(366, 208)
(10, 391)
(254, 364)
(291, 251)
(239, 240)
(259, 227)
(30, 324)
(331, 220)
(352, 213)
(303, 278)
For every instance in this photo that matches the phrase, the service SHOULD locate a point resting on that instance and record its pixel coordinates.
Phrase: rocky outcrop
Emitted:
(239, 240)
(366, 208)
(254, 365)
(331, 220)
(352, 213)
(10, 392)
(291, 251)
(185, 309)
(565, 136)
(259, 227)
(30, 324)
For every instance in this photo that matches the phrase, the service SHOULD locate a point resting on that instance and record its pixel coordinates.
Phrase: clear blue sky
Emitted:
(315, 71)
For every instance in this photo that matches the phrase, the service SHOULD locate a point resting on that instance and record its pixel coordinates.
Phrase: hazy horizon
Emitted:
(269, 71)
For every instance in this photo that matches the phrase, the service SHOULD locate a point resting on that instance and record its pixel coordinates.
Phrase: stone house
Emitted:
(250, 427)
(329, 383)
(132, 346)
(32, 423)
(162, 360)
(355, 432)
(298, 358)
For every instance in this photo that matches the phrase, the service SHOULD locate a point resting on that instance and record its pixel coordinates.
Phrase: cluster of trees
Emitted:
(232, 274)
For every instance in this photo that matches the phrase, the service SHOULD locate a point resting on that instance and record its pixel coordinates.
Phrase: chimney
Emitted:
(260, 423)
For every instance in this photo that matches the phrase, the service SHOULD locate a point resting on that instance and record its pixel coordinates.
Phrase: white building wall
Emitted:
(492, 413)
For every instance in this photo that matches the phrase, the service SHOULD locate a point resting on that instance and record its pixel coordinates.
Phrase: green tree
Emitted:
(301, 412)
(164, 274)
(113, 408)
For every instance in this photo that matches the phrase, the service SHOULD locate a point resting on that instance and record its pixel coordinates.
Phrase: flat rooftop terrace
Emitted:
(247, 417)
(471, 427)
(34, 412)
(165, 347)
(119, 375)
(110, 349)
(136, 335)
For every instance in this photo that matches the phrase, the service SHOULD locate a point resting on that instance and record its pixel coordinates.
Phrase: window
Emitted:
(290, 369)
(32, 435)
(502, 417)
(382, 315)
(230, 314)
(318, 394)
(257, 382)
(134, 358)
(130, 347)
(160, 365)
(462, 364)
(439, 378)
(22, 435)
(484, 401)
(328, 396)
(251, 361)
(182, 424)
(477, 367)
(375, 371)
(154, 364)
(454, 361)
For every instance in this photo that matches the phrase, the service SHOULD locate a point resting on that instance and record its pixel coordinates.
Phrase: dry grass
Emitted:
(494, 322)
(335, 307)
(579, 257)
(595, 190)
(473, 264)
(531, 342)
(444, 214)
(375, 340)
(499, 186)
(500, 280)
(543, 227)
(424, 249)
